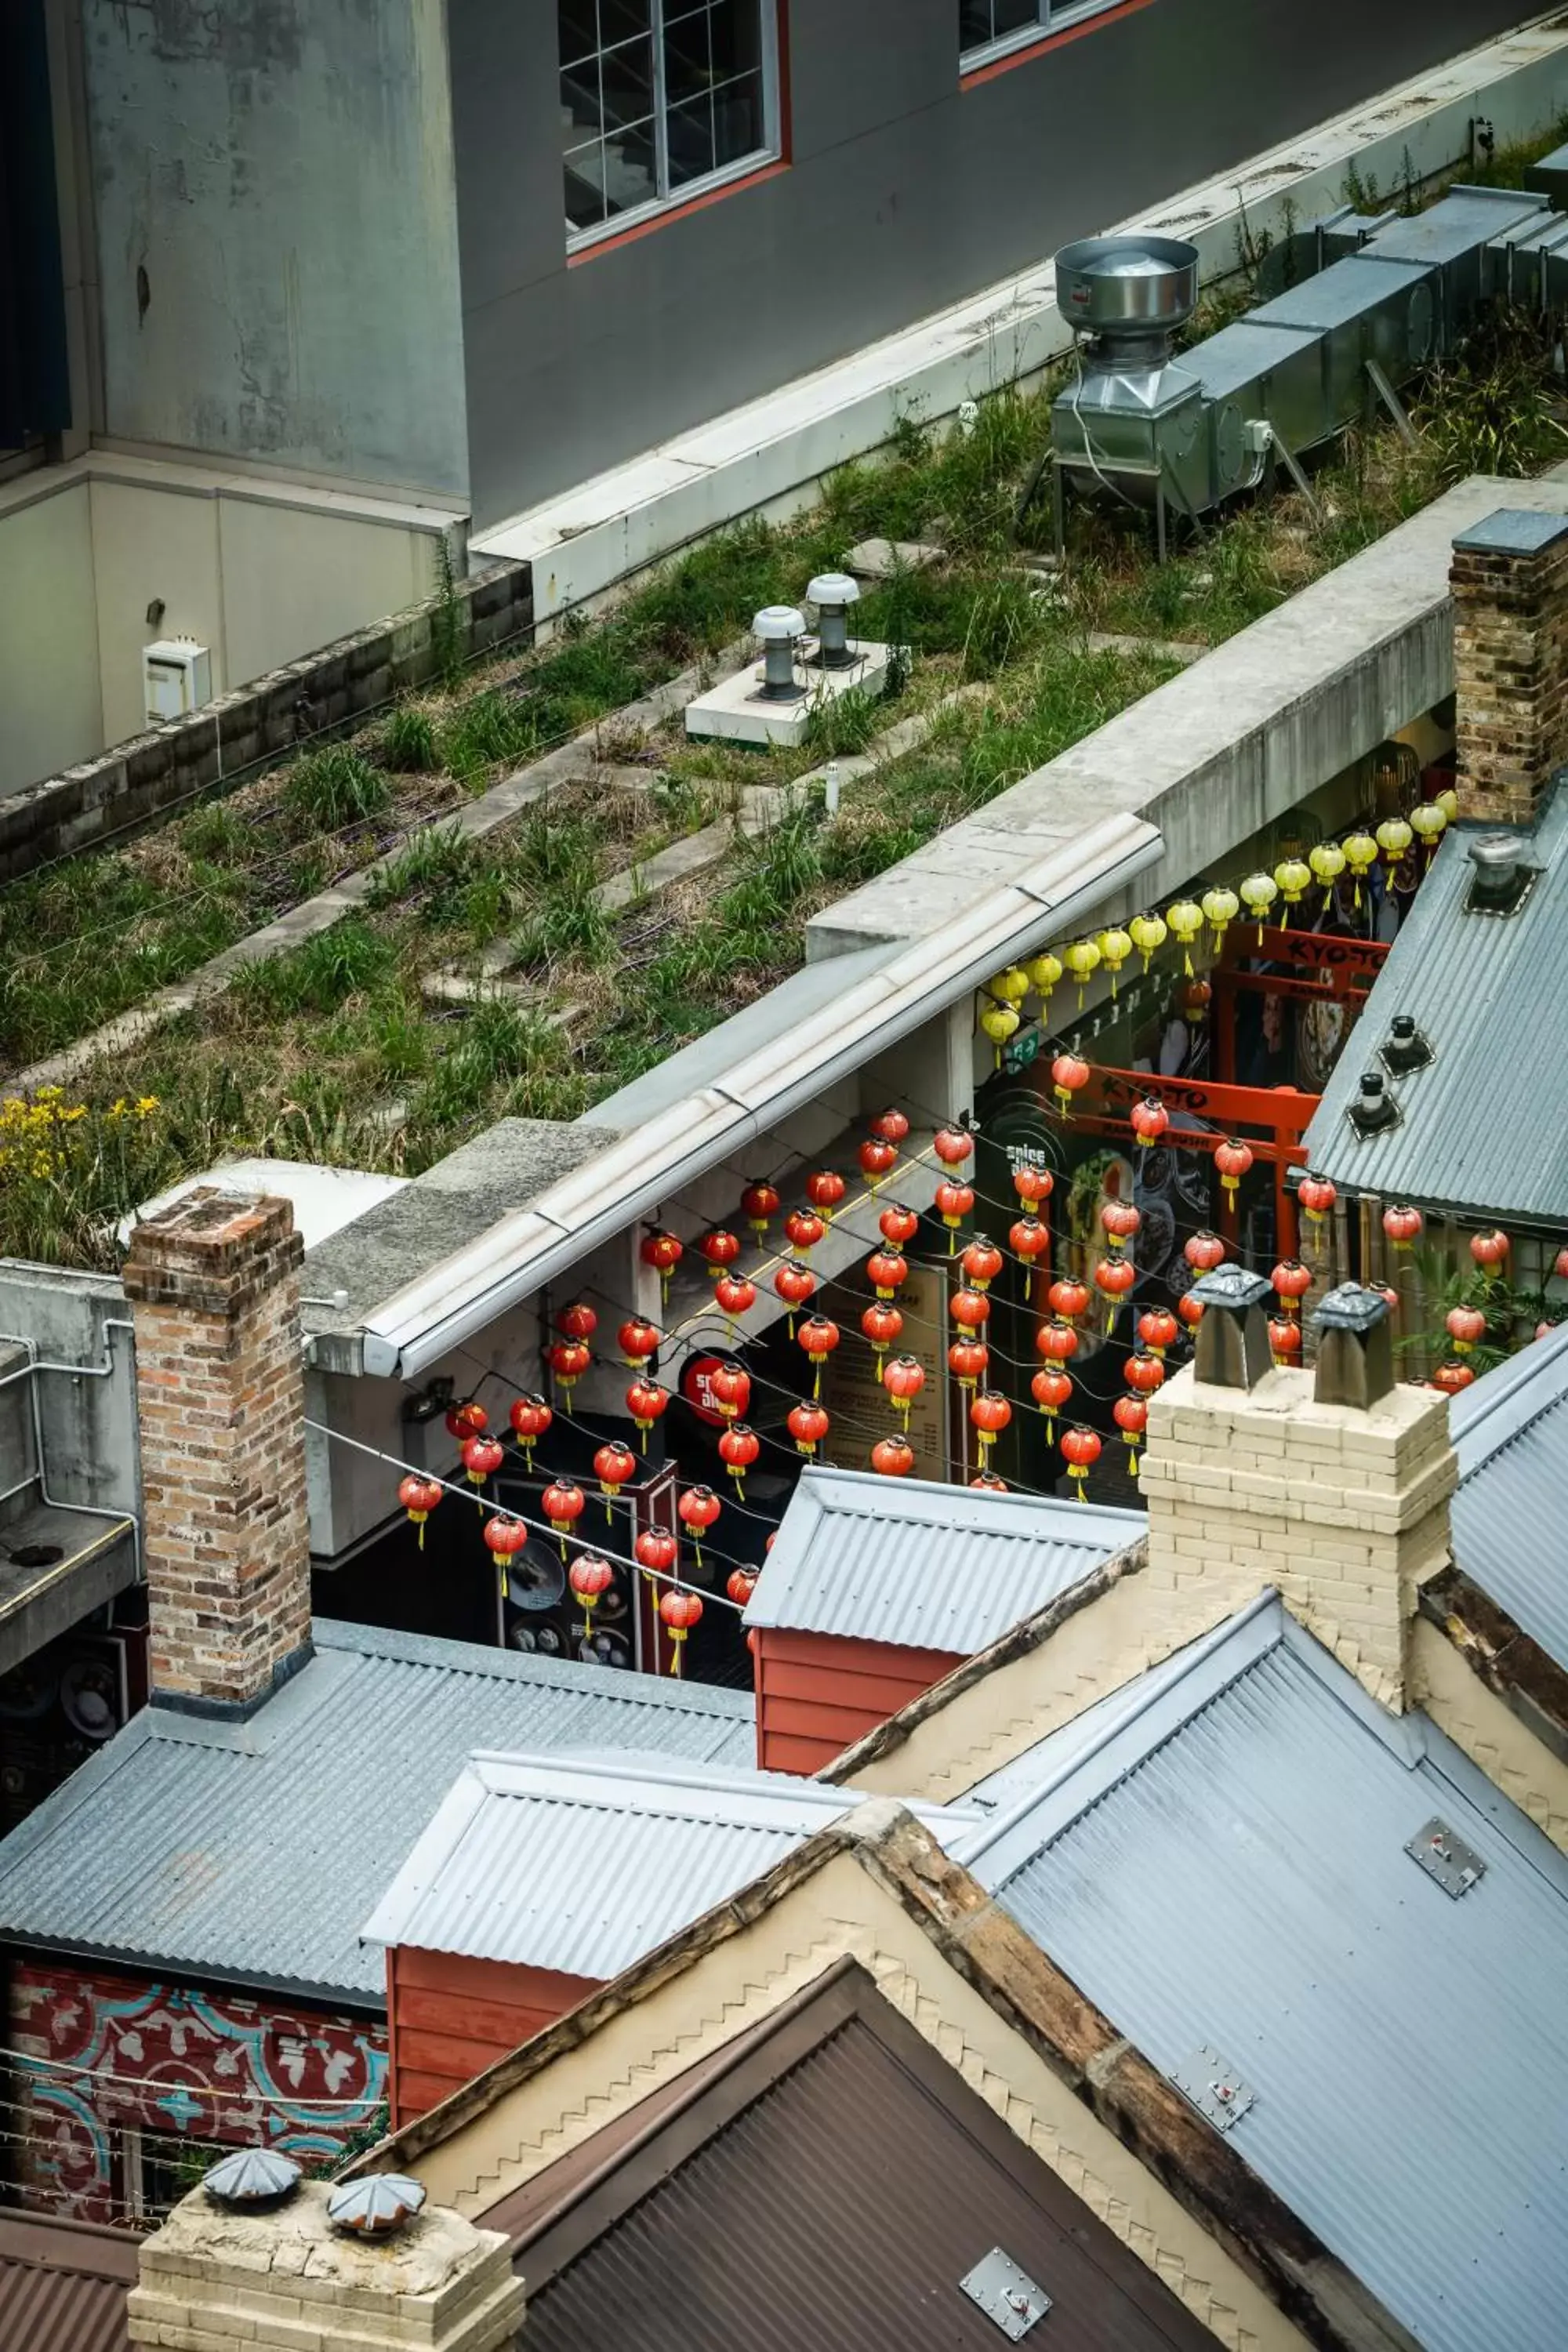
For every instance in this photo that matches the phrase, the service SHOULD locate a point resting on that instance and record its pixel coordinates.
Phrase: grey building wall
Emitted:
(276, 229)
(904, 194)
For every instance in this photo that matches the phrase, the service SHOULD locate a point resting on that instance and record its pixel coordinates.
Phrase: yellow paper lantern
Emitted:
(1361, 856)
(1394, 838)
(1259, 892)
(1447, 801)
(1044, 972)
(1115, 947)
(999, 1021)
(1009, 987)
(1148, 935)
(1187, 920)
(1328, 863)
(1292, 874)
(1429, 823)
(1221, 907)
(1082, 960)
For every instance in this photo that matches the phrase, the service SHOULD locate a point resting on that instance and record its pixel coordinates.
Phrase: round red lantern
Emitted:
(1402, 1224)
(590, 1579)
(740, 1583)
(970, 1309)
(1489, 1249)
(1465, 1325)
(562, 1504)
(729, 1386)
(953, 1204)
(1131, 1415)
(506, 1538)
(1284, 1337)
(679, 1611)
(612, 1465)
(886, 1271)
(967, 1361)
(1317, 1195)
(1291, 1281)
(1081, 1447)
(656, 1550)
(568, 1361)
(819, 1336)
(952, 1145)
(890, 1126)
(530, 1417)
(1560, 1266)
(1113, 1279)
(1203, 1251)
(1069, 1072)
(758, 1202)
(647, 1402)
(1032, 1185)
(1158, 1329)
(720, 1249)
(898, 1224)
(1149, 1119)
(578, 1321)
(697, 1510)
(1233, 1159)
(877, 1159)
(1190, 1309)
(990, 1412)
(638, 1343)
(1143, 1371)
(1051, 1388)
(825, 1188)
(738, 1449)
(808, 1425)
(1056, 1341)
(803, 1229)
(663, 1252)
(794, 1283)
(883, 1326)
(894, 1457)
(1451, 1376)
(989, 1483)
(1120, 1221)
(1067, 1298)
(903, 1380)
(1028, 1239)
(419, 1498)
(482, 1458)
(467, 1420)
(979, 1262)
(734, 1294)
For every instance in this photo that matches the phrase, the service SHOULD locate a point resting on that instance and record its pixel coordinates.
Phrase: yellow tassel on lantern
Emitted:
(1187, 920)
(1115, 947)
(1259, 892)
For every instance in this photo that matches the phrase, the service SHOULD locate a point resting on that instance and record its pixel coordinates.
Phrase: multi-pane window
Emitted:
(990, 27)
(659, 98)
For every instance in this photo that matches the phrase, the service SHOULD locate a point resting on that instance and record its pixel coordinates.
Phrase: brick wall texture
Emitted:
(1510, 668)
(215, 1289)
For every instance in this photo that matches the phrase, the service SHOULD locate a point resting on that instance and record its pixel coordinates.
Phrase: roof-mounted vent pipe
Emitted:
(1232, 1349)
(375, 2206)
(253, 2181)
(833, 592)
(1374, 1110)
(781, 629)
(1501, 878)
(1355, 1353)
(1405, 1048)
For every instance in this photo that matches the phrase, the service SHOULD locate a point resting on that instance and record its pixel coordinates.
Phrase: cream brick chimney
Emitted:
(214, 1284)
(213, 2279)
(1332, 1486)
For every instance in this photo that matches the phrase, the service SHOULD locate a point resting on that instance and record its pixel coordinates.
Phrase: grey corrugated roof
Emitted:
(1485, 1126)
(1224, 1865)
(929, 1567)
(584, 1864)
(1509, 1532)
(256, 1851)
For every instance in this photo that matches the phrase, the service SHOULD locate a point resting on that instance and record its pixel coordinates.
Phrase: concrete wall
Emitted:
(905, 192)
(275, 231)
(51, 709)
(90, 1424)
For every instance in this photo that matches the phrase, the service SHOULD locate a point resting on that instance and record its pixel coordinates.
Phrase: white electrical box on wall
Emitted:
(177, 674)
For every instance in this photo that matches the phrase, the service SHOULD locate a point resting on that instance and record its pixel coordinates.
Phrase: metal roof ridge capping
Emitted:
(529, 1248)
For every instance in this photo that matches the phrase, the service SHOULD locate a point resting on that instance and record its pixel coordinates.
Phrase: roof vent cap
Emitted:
(781, 628)
(1405, 1048)
(1374, 1110)
(833, 592)
(1502, 878)
(1232, 1349)
(376, 2207)
(1356, 1351)
(255, 2180)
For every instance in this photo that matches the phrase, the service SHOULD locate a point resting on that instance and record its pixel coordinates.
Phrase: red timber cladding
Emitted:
(450, 2018)
(816, 1692)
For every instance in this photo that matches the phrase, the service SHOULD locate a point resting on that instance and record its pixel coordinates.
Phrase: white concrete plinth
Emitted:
(738, 711)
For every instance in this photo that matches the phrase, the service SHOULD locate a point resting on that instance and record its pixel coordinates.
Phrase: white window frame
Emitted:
(583, 240)
(1054, 16)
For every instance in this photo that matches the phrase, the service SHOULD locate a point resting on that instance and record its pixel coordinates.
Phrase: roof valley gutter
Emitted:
(923, 976)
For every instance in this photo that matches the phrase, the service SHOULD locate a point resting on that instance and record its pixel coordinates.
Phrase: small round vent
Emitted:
(378, 2207)
(254, 2179)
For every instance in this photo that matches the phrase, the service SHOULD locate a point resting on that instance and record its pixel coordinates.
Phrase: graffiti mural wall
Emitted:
(106, 2076)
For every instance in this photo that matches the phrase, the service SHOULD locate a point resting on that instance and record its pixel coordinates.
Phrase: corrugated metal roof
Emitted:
(1509, 1532)
(257, 1851)
(1227, 1868)
(63, 2285)
(584, 1864)
(1485, 1126)
(928, 1567)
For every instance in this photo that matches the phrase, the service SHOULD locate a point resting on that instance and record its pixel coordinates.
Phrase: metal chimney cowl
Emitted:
(1232, 1349)
(1355, 1347)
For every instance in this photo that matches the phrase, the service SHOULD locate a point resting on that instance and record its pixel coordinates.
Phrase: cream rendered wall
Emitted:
(50, 711)
(151, 543)
(294, 579)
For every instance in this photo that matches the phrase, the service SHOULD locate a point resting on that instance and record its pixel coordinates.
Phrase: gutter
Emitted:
(534, 1246)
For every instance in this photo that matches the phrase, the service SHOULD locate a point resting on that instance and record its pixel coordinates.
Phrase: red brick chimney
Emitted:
(214, 1284)
(1510, 584)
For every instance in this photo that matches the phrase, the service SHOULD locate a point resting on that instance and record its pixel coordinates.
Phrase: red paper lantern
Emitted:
(1190, 1309)
(1452, 1376)
(803, 1229)
(1120, 1221)
(989, 1483)
(467, 1420)
(656, 1550)
(883, 1326)
(679, 1611)
(664, 1253)
(825, 1188)
(1032, 1185)
(638, 1343)
(819, 1336)
(898, 1224)
(1081, 1447)
(562, 1504)
(1143, 1372)
(612, 1465)
(877, 1159)
(481, 1457)
(1317, 1195)
(1560, 1266)
(1203, 1251)
(952, 1145)
(990, 1412)
(578, 1321)
(734, 1294)
(1069, 1072)
(1067, 1297)
(1113, 1279)
(590, 1579)
(740, 1583)
(1403, 1223)
(886, 1273)
(953, 1204)
(1131, 1415)
(794, 1283)
(697, 1508)
(1465, 1325)
(1291, 1281)
(890, 1126)
(1148, 1120)
(419, 1498)
(729, 1386)
(647, 1402)
(1488, 1250)
(530, 1417)
(568, 1361)
(808, 1425)
(1051, 1388)
(506, 1538)
(967, 1361)
(894, 1457)
(1233, 1159)
(720, 1249)
(758, 1202)
(1056, 1341)
(1028, 1239)
(903, 1380)
(1158, 1329)
(738, 1449)
(980, 1262)
(1284, 1337)
(970, 1309)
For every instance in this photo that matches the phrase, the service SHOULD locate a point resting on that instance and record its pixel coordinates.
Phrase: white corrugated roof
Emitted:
(927, 1566)
(585, 1864)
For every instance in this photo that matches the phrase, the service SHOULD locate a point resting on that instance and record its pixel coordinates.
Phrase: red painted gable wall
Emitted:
(451, 2018)
(816, 1692)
